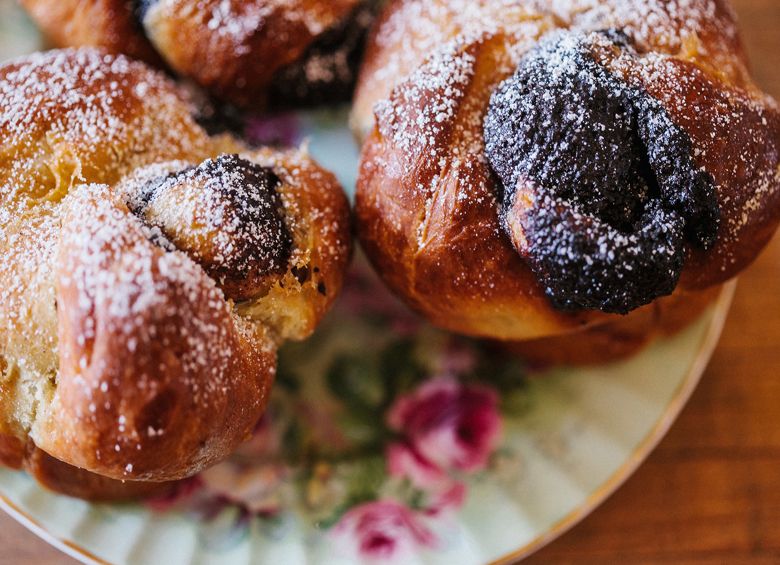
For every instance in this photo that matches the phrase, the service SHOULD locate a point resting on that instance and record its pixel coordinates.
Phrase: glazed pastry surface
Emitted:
(531, 168)
(149, 271)
(246, 53)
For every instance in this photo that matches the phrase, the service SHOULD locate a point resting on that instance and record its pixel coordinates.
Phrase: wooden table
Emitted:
(710, 493)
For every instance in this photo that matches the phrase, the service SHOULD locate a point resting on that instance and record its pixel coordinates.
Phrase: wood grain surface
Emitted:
(710, 493)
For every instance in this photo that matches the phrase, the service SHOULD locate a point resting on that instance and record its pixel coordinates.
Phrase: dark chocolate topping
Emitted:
(227, 215)
(327, 71)
(140, 8)
(609, 191)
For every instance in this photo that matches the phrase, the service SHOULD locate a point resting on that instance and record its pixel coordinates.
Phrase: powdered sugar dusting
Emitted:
(141, 323)
(426, 55)
(242, 18)
(431, 97)
(65, 115)
(131, 304)
(119, 275)
(236, 23)
(417, 28)
(225, 213)
(436, 204)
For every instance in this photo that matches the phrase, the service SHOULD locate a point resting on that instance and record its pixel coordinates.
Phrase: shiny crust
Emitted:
(234, 49)
(620, 339)
(72, 481)
(127, 360)
(148, 392)
(425, 205)
(442, 253)
(318, 216)
(239, 66)
(109, 24)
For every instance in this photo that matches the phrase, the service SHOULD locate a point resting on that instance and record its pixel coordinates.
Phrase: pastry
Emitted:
(249, 54)
(149, 271)
(617, 339)
(531, 169)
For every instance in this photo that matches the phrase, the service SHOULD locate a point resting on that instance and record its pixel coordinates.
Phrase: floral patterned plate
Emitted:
(388, 440)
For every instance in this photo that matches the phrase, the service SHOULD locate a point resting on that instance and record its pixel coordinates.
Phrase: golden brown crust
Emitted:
(431, 227)
(426, 206)
(71, 481)
(407, 32)
(736, 133)
(620, 339)
(152, 359)
(12, 451)
(109, 24)
(119, 354)
(235, 49)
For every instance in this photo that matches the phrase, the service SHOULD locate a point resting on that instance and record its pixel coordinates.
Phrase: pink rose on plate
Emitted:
(256, 488)
(404, 461)
(380, 530)
(445, 425)
(444, 503)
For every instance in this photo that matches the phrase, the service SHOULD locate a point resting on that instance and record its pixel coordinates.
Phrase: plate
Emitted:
(386, 439)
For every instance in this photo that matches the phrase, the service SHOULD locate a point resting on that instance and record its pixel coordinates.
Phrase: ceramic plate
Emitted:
(388, 440)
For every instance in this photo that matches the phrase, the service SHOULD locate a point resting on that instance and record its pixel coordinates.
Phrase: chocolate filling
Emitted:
(325, 74)
(327, 71)
(598, 187)
(227, 215)
(140, 8)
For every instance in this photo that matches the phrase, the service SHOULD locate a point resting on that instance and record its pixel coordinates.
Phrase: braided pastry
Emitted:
(532, 167)
(246, 53)
(149, 272)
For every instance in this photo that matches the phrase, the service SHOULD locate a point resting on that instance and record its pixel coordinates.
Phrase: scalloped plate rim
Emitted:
(687, 384)
(659, 430)
(720, 311)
